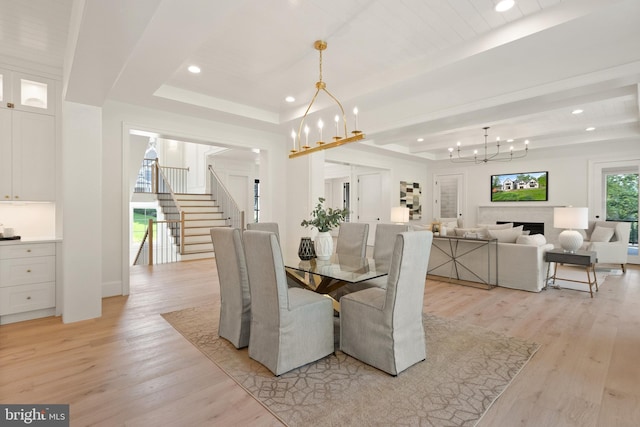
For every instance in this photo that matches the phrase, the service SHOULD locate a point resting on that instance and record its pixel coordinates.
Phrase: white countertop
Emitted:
(28, 240)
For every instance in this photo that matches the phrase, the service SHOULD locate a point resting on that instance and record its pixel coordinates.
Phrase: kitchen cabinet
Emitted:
(26, 92)
(27, 281)
(27, 154)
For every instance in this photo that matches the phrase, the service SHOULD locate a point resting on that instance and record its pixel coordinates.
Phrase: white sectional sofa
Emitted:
(520, 265)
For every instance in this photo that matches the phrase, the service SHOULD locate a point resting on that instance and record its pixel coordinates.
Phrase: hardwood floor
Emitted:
(130, 367)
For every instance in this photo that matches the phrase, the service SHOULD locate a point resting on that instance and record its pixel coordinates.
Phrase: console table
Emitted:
(587, 259)
(465, 260)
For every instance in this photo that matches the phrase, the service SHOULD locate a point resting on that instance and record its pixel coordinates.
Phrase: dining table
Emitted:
(325, 277)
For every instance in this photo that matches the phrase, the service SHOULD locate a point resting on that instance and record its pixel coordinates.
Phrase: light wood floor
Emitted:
(130, 367)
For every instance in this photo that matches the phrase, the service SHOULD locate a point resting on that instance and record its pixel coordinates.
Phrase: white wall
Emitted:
(568, 169)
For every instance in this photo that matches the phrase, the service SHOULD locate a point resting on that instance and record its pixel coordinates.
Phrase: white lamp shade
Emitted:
(571, 218)
(399, 214)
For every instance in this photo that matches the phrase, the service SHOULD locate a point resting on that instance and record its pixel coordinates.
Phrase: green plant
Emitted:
(325, 219)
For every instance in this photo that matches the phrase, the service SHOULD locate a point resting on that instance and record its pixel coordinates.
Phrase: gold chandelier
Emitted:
(300, 149)
(486, 157)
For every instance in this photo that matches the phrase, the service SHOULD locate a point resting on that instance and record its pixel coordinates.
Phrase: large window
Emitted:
(622, 201)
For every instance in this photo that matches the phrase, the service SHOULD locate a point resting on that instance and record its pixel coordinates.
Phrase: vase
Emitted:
(324, 246)
(306, 250)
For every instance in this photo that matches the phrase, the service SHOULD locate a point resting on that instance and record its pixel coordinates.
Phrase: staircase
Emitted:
(200, 214)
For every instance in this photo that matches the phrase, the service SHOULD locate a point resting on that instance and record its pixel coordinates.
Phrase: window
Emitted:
(346, 204)
(141, 218)
(622, 201)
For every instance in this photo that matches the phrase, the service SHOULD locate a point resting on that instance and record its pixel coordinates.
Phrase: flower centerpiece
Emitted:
(324, 220)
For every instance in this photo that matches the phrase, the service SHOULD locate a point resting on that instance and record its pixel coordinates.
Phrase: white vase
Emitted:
(324, 246)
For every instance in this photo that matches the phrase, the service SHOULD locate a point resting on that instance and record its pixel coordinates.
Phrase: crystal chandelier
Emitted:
(486, 157)
(300, 149)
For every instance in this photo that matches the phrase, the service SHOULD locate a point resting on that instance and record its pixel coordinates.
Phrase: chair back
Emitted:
(407, 274)
(267, 276)
(385, 242)
(265, 226)
(352, 239)
(235, 299)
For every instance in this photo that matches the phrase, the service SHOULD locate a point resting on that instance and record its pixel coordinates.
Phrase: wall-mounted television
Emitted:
(520, 187)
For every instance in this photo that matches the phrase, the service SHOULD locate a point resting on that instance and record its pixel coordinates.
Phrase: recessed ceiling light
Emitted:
(420, 139)
(194, 69)
(504, 5)
(509, 140)
(589, 129)
(289, 98)
(577, 111)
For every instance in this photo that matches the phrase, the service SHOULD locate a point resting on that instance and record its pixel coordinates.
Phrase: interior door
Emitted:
(448, 196)
(370, 208)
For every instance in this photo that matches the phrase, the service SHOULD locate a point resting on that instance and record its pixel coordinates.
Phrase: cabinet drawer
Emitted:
(27, 251)
(23, 271)
(17, 299)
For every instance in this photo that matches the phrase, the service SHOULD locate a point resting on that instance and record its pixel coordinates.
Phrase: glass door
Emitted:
(614, 197)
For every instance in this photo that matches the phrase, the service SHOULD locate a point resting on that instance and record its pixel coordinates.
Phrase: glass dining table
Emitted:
(325, 277)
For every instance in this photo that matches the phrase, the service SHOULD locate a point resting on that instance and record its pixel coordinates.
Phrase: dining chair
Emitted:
(265, 226)
(235, 299)
(352, 239)
(383, 327)
(290, 327)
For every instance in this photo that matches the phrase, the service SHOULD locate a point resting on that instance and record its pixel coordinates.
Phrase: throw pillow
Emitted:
(481, 233)
(601, 234)
(506, 236)
(533, 240)
(496, 226)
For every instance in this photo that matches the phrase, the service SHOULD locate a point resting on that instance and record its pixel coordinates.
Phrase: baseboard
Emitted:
(111, 289)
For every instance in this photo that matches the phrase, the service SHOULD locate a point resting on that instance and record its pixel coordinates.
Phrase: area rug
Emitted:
(466, 370)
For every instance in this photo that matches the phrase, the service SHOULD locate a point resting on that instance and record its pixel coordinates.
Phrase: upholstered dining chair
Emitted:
(383, 327)
(290, 327)
(265, 226)
(235, 300)
(352, 239)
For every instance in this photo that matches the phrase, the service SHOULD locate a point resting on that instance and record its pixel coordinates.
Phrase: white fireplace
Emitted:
(543, 214)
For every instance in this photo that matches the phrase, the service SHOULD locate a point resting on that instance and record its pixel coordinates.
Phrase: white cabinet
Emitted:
(26, 92)
(27, 281)
(27, 153)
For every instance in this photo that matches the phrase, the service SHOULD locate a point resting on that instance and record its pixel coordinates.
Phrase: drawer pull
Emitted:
(29, 271)
(28, 297)
(28, 250)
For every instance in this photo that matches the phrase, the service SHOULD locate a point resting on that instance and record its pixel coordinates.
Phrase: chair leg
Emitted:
(623, 269)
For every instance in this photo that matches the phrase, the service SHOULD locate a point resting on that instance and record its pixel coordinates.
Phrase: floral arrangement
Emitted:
(325, 219)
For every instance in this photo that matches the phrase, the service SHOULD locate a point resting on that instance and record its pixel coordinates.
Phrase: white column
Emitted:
(82, 212)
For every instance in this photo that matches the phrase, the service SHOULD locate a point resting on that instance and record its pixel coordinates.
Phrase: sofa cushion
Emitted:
(601, 234)
(533, 239)
(506, 236)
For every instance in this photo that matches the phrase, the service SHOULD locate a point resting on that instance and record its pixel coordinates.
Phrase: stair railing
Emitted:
(158, 244)
(235, 217)
(171, 207)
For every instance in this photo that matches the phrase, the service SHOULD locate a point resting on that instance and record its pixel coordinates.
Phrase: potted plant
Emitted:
(324, 220)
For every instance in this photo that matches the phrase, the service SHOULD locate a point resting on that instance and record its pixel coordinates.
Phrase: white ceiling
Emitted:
(440, 70)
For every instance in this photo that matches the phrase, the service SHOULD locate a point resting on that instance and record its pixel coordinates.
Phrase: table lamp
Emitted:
(399, 214)
(570, 218)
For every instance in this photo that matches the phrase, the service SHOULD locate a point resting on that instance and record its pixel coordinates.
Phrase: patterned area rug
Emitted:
(466, 370)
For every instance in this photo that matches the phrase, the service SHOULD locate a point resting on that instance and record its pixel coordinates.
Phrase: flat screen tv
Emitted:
(520, 187)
